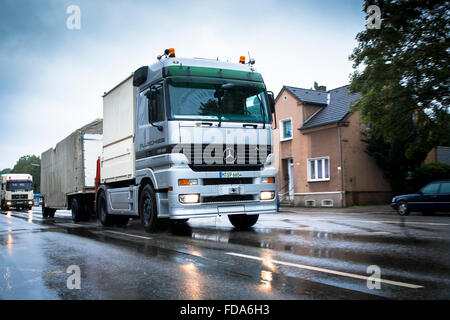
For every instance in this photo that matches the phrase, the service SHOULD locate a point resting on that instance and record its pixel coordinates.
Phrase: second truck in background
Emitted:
(68, 172)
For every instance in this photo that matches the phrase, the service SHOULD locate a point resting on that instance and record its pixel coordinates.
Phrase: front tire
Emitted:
(148, 209)
(243, 221)
(402, 208)
(105, 218)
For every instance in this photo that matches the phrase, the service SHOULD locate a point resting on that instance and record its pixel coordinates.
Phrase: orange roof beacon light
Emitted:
(242, 59)
(172, 52)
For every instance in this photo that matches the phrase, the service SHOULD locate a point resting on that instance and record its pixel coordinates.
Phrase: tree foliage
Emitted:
(431, 172)
(391, 159)
(402, 74)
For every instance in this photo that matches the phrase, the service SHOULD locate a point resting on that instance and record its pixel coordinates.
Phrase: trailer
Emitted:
(68, 173)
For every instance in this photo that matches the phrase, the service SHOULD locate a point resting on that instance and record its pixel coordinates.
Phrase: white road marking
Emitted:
(380, 222)
(128, 234)
(339, 273)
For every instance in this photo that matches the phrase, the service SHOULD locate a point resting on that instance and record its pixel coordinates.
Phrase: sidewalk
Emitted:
(355, 209)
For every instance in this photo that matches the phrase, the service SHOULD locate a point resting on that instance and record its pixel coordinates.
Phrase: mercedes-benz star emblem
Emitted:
(229, 155)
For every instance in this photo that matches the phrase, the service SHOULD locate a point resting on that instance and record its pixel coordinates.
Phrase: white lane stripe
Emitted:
(381, 221)
(128, 234)
(339, 273)
(410, 222)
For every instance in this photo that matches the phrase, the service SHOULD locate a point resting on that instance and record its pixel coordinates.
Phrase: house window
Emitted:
(319, 169)
(286, 129)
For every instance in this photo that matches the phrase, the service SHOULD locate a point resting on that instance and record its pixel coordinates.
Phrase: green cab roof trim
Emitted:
(212, 73)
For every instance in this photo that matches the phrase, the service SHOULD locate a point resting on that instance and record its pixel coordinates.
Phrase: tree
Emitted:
(31, 165)
(7, 170)
(391, 159)
(402, 74)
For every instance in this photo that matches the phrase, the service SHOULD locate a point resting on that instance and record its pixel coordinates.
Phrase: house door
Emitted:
(291, 179)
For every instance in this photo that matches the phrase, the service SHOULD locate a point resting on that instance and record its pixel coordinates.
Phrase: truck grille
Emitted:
(230, 158)
(19, 196)
(227, 198)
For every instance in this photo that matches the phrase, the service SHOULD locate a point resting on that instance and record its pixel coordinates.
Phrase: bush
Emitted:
(430, 172)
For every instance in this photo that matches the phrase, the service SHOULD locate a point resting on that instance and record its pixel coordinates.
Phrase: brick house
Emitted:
(320, 157)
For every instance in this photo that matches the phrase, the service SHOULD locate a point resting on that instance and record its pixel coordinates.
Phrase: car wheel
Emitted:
(243, 221)
(402, 208)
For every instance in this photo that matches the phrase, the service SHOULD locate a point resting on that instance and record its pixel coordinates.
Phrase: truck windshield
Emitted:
(19, 186)
(209, 101)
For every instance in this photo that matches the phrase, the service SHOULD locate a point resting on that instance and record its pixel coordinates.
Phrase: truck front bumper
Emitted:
(220, 199)
(18, 203)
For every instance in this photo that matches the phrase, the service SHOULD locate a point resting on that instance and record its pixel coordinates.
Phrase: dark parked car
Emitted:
(433, 197)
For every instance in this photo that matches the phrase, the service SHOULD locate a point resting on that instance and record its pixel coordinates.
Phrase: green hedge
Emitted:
(431, 172)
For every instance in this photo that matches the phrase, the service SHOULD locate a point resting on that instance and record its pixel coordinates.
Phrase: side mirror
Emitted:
(271, 101)
(152, 109)
(152, 112)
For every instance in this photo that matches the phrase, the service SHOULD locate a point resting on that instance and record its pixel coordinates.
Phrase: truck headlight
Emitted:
(189, 198)
(267, 180)
(30, 202)
(267, 195)
(8, 203)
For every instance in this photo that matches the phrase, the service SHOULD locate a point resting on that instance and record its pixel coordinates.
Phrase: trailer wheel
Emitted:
(243, 221)
(77, 210)
(147, 209)
(102, 210)
(44, 210)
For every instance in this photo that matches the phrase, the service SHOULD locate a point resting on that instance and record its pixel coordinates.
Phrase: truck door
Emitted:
(151, 125)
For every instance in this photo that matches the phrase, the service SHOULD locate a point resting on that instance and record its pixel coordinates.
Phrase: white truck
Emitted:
(186, 138)
(17, 191)
(68, 173)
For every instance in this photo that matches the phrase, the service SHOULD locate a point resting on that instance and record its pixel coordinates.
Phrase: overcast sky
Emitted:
(52, 78)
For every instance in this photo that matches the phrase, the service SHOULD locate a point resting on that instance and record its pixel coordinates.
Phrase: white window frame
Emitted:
(282, 129)
(308, 167)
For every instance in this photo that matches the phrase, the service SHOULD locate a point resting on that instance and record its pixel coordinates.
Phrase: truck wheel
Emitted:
(51, 213)
(77, 210)
(102, 210)
(243, 221)
(147, 209)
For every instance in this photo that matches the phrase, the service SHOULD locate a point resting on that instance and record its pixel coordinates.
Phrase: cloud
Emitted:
(53, 78)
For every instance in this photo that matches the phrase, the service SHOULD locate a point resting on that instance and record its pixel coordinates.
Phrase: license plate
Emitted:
(233, 174)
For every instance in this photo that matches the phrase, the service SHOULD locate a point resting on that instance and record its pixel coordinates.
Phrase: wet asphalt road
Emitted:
(286, 256)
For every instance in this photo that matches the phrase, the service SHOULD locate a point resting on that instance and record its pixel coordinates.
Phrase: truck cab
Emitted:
(200, 132)
(16, 191)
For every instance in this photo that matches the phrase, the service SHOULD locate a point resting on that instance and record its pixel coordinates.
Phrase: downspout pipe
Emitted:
(341, 172)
